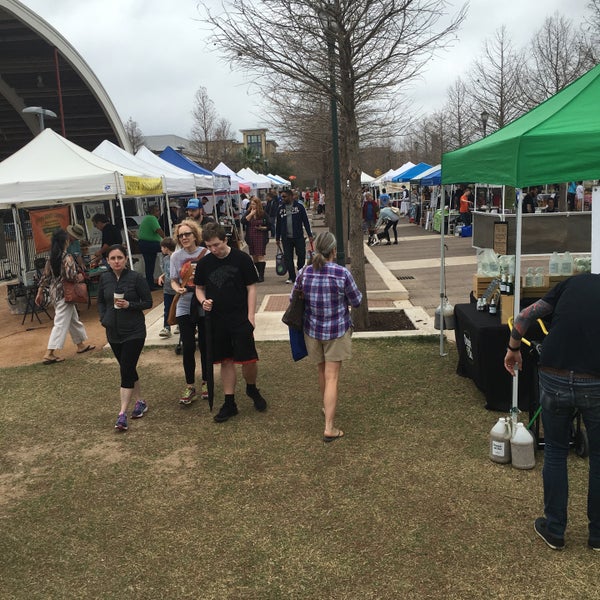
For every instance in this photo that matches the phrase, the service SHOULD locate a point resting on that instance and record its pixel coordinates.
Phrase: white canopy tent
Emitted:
(262, 181)
(169, 170)
(237, 183)
(51, 170)
(174, 184)
(279, 180)
(366, 178)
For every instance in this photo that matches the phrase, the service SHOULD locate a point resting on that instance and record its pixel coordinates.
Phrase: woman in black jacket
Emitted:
(123, 295)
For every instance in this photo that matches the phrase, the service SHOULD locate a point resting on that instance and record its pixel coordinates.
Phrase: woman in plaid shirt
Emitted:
(328, 290)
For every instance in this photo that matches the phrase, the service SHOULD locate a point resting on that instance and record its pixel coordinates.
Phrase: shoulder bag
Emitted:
(75, 290)
(294, 315)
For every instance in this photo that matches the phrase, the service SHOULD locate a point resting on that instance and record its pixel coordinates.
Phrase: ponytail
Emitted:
(325, 245)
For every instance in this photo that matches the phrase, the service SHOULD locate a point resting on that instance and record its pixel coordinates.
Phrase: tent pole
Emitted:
(120, 198)
(443, 271)
(19, 238)
(517, 296)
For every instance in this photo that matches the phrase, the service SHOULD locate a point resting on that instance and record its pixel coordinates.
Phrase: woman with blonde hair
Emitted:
(183, 265)
(328, 290)
(257, 234)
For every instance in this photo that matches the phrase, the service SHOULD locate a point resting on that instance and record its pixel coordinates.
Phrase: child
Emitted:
(167, 247)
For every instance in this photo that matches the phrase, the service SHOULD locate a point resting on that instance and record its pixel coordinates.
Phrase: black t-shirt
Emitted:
(225, 281)
(111, 235)
(529, 203)
(572, 342)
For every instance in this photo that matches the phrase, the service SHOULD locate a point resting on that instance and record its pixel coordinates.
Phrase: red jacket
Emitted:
(375, 209)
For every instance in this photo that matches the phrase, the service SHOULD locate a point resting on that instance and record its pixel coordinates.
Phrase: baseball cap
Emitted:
(193, 203)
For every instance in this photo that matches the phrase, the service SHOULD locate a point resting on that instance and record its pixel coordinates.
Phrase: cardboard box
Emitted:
(507, 307)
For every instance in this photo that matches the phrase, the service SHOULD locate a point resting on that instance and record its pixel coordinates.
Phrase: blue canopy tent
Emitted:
(411, 173)
(433, 177)
(183, 162)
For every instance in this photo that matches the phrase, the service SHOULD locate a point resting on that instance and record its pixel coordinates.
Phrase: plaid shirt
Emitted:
(327, 294)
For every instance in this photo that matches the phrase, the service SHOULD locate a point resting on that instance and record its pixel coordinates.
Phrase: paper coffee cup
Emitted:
(118, 297)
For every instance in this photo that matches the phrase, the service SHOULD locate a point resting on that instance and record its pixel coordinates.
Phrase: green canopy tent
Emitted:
(559, 140)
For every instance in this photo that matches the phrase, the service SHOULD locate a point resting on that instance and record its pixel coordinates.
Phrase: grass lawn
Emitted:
(407, 505)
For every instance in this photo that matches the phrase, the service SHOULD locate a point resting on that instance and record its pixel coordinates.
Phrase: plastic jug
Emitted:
(555, 264)
(500, 441)
(522, 448)
(448, 312)
(566, 265)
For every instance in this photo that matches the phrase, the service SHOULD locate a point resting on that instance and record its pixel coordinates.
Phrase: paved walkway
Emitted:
(404, 276)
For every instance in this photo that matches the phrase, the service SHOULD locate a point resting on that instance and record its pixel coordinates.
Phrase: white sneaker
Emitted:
(289, 281)
(176, 330)
(164, 333)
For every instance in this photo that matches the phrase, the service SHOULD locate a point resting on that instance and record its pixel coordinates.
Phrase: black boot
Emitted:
(260, 267)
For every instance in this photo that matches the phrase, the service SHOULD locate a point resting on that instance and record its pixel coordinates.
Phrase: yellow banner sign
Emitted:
(143, 186)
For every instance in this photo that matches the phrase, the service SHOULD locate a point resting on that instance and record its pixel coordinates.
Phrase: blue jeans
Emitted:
(559, 396)
(149, 250)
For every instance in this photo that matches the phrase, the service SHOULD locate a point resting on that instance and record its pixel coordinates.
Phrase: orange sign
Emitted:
(44, 223)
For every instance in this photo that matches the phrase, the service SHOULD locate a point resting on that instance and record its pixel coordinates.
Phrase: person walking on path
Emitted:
(226, 289)
(328, 291)
(60, 267)
(291, 219)
(123, 296)
(150, 235)
(167, 247)
(370, 213)
(569, 378)
(257, 234)
(191, 326)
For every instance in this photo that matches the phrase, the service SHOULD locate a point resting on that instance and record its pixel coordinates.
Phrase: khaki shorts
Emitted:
(329, 350)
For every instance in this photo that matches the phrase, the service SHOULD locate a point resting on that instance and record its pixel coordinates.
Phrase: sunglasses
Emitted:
(184, 234)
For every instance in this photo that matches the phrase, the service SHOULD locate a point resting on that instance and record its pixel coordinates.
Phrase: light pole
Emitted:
(329, 27)
(41, 113)
(485, 115)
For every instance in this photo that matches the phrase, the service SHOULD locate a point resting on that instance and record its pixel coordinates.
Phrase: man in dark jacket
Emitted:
(291, 218)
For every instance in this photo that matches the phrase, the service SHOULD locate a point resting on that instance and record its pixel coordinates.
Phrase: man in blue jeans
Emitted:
(569, 379)
(291, 219)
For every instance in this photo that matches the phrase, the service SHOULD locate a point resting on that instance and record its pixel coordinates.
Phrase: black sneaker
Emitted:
(541, 528)
(594, 545)
(260, 404)
(227, 411)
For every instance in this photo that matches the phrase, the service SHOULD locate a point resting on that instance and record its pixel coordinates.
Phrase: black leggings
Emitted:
(187, 331)
(127, 355)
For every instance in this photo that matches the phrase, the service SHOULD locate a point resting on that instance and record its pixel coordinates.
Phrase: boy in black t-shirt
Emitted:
(226, 289)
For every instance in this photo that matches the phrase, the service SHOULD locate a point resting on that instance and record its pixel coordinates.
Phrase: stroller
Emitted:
(579, 439)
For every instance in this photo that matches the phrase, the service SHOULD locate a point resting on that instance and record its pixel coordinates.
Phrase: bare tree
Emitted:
(558, 55)
(496, 82)
(134, 134)
(458, 116)
(223, 145)
(205, 118)
(369, 46)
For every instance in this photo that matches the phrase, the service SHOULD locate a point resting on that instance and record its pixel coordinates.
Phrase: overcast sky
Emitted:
(151, 57)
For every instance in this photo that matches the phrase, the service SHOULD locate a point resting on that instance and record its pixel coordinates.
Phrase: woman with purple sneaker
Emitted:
(123, 296)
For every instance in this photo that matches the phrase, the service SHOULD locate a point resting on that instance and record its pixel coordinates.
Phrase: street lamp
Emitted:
(485, 115)
(330, 29)
(41, 113)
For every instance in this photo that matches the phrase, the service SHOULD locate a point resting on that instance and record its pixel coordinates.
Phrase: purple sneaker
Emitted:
(121, 424)
(139, 409)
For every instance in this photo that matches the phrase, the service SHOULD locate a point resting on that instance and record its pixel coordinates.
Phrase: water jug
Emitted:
(448, 312)
(522, 448)
(555, 264)
(566, 266)
(500, 441)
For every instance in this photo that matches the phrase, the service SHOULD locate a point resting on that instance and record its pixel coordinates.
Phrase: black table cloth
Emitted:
(481, 340)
